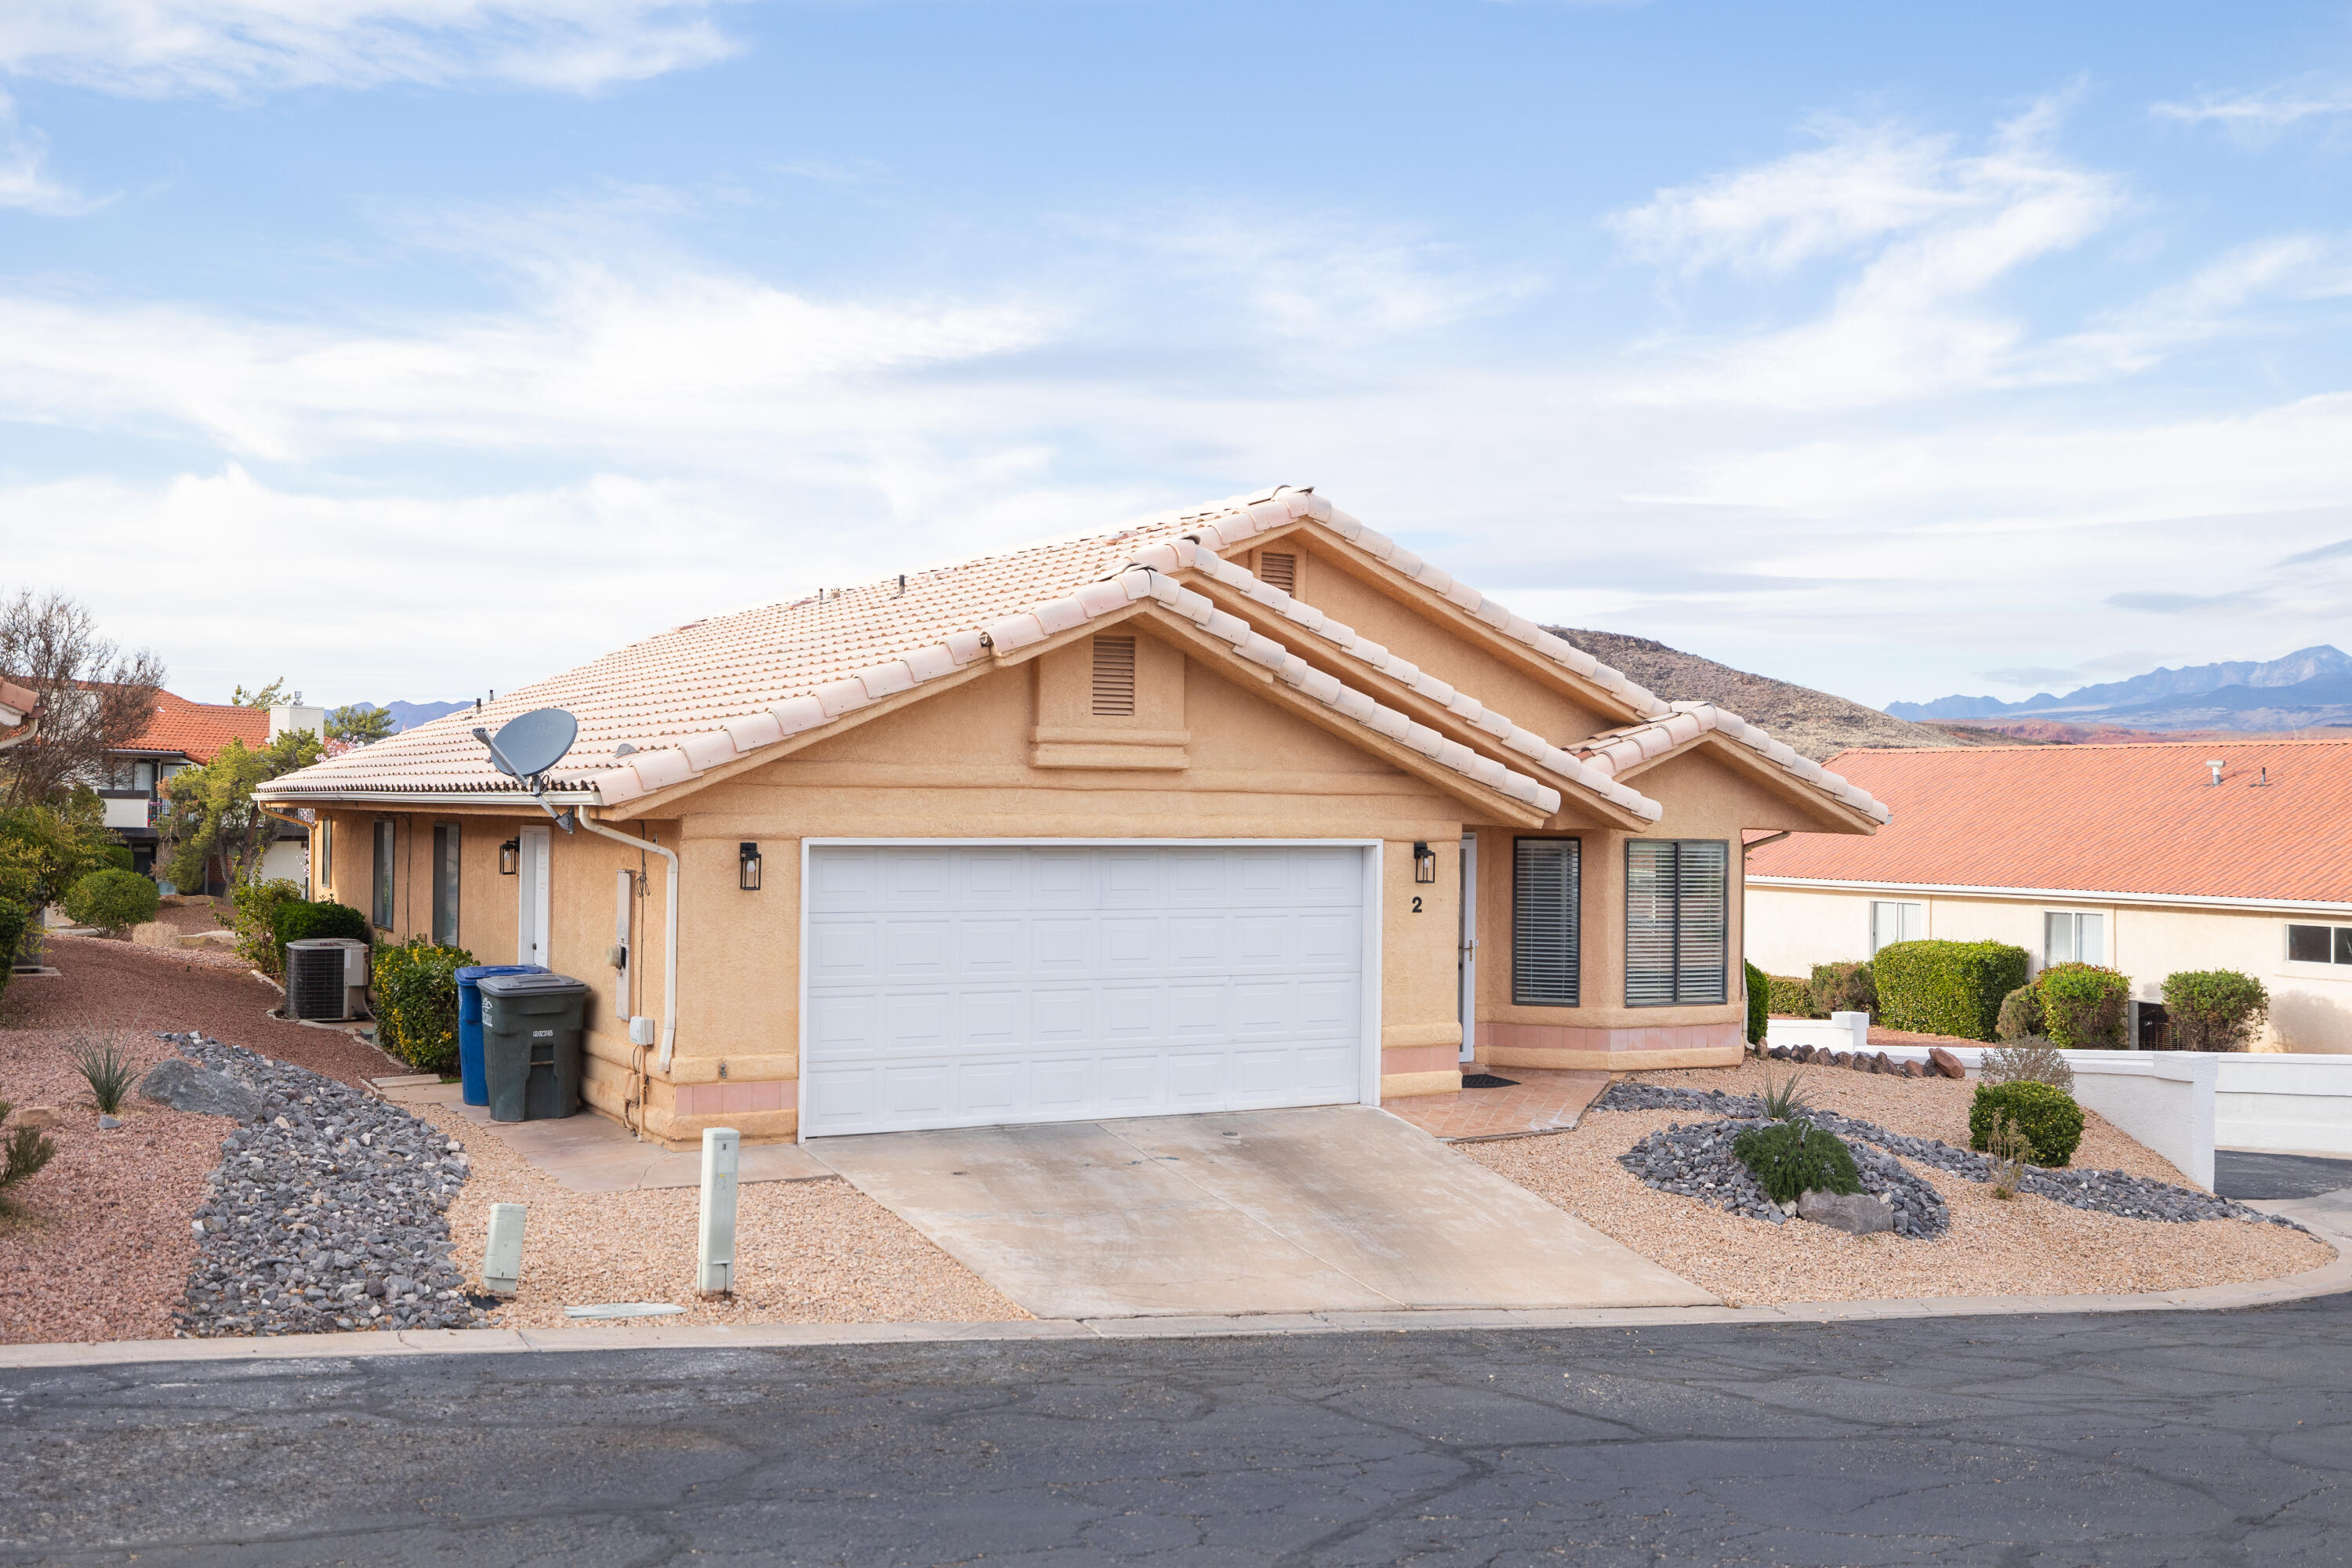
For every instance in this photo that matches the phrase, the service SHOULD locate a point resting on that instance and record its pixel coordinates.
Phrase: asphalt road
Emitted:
(2190, 1437)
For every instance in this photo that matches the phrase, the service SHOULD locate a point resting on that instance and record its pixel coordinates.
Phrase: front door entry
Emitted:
(531, 899)
(1469, 945)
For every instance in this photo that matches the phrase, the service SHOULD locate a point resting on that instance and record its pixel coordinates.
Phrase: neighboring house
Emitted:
(2149, 858)
(1184, 816)
(184, 734)
(20, 714)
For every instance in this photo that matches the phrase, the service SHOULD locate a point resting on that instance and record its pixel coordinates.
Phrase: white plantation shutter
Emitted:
(1678, 920)
(1545, 888)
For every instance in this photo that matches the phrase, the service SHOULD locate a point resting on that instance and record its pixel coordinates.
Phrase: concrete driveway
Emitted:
(1337, 1208)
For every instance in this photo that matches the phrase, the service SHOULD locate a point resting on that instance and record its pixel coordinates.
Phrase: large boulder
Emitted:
(183, 1085)
(1945, 1062)
(1857, 1214)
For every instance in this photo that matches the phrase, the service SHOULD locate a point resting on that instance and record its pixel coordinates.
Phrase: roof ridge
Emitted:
(2045, 748)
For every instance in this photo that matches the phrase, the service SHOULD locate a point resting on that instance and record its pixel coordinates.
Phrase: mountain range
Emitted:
(408, 715)
(2308, 689)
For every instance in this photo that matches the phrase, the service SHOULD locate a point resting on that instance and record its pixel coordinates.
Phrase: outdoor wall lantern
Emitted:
(1424, 863)
(510, 857)
(747, 867)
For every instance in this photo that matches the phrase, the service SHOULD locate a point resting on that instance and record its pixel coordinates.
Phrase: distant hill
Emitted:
(1816, 723)
(2308, 689)
(408, 715)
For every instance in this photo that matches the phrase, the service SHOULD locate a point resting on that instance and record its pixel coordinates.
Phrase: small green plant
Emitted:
(23, 1152)
(1789, 1159)
(2047, 1118)
(105, 1072)
(255, 922)
(2083, 1006)
(1844, 987)
(2027, 1060)
(2021, 1015)
(2009, 1149)
(1793, 997)
(2215, 1009)
(112, 899)
(415, 994)
(1760, 999)
(1781, 1099)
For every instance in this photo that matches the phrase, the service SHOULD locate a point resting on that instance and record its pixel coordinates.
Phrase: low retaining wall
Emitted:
(2285, 1101)
(1838, 1032)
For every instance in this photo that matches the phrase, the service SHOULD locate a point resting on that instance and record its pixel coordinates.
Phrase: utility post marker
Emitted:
(714, 1273)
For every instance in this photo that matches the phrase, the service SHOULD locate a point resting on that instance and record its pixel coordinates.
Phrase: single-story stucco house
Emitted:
(1247, 806)
(2149, 857)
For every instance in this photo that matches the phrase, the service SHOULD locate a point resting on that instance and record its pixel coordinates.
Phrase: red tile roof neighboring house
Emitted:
(198, 729)
(2130, 819)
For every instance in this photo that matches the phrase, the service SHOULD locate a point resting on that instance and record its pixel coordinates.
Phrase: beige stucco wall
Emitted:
(1793, 929)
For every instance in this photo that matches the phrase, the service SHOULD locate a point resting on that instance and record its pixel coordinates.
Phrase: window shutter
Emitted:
(1278, 569)
(1544, 922)
(1649, 922)
(1702, 919)
(1114, 694)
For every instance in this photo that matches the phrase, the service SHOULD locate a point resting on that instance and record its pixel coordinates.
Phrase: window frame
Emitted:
(1521, 997)
(1676, 968)
(2338, 940)
(1898, 904)
(382, 896)
(2076, 917)
(448, 859)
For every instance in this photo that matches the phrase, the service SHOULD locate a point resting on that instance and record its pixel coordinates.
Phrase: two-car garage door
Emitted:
(960, 985)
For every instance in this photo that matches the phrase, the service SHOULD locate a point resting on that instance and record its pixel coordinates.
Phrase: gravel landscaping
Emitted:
(1698, 1162)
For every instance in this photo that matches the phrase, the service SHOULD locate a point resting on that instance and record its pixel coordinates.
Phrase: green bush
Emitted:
(2083, 1006)
(2021, 1015)
(1844, 987)
(297, 921)
(255, 923)
(1792, 997)
(1759, 999)
(1792, 1158)
(112, 899)
(16, 920)
(1947, 987)
(2214, 1009)
(117, 855)
(2050, 1119)
(415, 994)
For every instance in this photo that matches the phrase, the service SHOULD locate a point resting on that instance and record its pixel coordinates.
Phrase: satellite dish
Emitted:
(529, 745)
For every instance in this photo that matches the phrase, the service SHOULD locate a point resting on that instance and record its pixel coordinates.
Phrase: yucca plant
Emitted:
(1783, 1100)
(22, 1152)
(106, 1073)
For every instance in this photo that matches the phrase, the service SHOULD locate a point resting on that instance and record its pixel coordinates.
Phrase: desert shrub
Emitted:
(2009, 1154)
(1791, 997)
(2083, 1006)
(255, 922)
(108, 1073)
(22, 1152)
(2021, 1015)
(415, 994)
(1845, 987)
(1792, 1158)
(2215, 1009)
(2047, 1118)
(1780, 1098)
(2029, 1060)
(112, 899)
(1946, 987)
(1760, 1000)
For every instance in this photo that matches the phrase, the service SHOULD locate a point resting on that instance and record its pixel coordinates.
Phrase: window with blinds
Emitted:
(1278, 569)
(384, 888)
(1678, 920)
(1114, 693)
(1545, 892)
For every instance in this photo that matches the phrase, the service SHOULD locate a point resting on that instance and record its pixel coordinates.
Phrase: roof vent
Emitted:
(2215, 763)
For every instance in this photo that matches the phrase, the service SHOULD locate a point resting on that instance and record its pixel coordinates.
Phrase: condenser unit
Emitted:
(326, 978)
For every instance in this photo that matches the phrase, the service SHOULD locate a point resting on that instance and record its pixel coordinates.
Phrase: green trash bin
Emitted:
(531, 1026)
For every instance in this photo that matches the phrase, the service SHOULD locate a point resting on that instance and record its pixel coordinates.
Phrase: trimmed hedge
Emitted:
(1792, 1158)
(415, 993)
(296, 921)
(2083, 1006)
(1946, 987)
(1760, 996)
(2214, 1009)
(113, 898)
(1843, 987)
(1791, 997)
(2049, 1118)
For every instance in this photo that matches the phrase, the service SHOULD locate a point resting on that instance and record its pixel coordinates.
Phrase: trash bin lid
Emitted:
(540, 984)
(471, 972)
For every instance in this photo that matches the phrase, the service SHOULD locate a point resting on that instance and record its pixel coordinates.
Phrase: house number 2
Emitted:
(1416, 903)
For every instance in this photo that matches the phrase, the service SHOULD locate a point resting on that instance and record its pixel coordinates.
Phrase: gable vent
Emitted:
(1278, 569)
(1115, 677)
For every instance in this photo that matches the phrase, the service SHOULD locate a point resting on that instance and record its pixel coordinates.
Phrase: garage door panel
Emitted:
(961, 985)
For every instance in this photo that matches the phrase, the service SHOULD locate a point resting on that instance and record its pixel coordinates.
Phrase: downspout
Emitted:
(669, 940)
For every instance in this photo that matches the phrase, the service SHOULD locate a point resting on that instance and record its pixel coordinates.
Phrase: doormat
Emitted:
(1488, 1081)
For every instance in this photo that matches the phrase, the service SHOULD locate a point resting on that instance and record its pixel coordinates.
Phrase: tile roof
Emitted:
(17, 703)
(198, 729)
(2134, 819)
(1613, 751)
(710, 691)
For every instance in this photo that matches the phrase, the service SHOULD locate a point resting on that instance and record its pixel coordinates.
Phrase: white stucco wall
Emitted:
(1790, 930)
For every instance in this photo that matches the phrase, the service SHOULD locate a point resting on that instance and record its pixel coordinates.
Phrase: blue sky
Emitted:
(410, 348)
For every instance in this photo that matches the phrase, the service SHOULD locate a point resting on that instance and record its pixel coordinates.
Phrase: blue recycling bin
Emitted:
(470, 1074)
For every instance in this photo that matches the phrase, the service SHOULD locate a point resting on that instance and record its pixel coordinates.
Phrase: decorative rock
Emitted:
(40, 1118)
(109, 1123)
(1841, 1059)
(1945, 1062)
(1912, 1069)
(1856, 1213)
(1801, 1054)
(1882, 1062)
(183, 1085)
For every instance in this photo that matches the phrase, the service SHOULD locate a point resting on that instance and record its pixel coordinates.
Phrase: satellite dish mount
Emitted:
(526, 747)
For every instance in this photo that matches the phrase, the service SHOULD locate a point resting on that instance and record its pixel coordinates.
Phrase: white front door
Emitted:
(531, 899)
(965, 986)
(1469, 948)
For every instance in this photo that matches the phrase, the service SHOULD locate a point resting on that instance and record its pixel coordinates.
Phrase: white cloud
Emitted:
(25, 183)
(167, 47)
(2259, 115)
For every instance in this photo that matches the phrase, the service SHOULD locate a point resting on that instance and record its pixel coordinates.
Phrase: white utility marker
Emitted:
(502, 1253)
(625, 1309)
(714, 1272)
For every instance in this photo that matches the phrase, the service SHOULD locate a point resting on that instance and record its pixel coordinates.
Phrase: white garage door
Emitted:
(956, 986)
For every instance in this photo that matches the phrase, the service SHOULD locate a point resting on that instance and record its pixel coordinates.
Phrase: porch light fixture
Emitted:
(510, 857)
(1424, 862)
(747, 867)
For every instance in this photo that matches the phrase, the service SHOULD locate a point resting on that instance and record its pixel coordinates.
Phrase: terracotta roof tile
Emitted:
(199, 730)
(2142, 818)
(1613, 750)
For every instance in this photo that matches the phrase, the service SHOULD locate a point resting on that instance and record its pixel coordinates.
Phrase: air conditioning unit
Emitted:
(326, 978)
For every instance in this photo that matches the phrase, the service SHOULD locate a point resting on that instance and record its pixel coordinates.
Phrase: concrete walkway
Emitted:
(1340, 1208)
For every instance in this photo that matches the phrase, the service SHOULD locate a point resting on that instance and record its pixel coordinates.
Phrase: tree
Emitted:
(270, 695)
(44, 850)
(95, 697)
(359, 723)
(213, 811)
